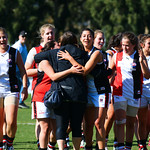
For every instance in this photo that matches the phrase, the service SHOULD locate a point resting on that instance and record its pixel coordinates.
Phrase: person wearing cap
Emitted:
(21, 47)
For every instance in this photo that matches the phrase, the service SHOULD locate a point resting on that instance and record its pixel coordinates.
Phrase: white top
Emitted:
(127, 66)
(31, 54)
(4, 76)
(146, 82)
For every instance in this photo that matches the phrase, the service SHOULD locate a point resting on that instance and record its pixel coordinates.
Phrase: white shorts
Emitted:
(130, 106)
(9, 99)
(39, 110)
(99, 100)
(130, 101)
(145, 99)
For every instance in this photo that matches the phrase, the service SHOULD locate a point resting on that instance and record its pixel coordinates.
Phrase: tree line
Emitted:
(111, 16)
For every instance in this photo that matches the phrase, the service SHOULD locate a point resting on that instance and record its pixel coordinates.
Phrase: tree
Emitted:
(111, 16)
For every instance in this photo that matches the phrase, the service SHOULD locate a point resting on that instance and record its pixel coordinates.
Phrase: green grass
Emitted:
(25, 136)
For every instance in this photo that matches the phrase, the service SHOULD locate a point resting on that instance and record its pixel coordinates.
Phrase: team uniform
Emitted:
(39, 110)
(30, 60)
(145, 99)
(127, 85)
(9, 91)
(113, 50)
(98, 96)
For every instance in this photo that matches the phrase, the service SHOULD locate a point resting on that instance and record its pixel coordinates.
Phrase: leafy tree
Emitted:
(112, 16)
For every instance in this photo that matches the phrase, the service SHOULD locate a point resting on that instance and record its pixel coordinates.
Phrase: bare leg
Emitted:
(37, 130)
(109, 118)
(76, 143)
(43, 137)
(142, 116)
(89, 119)
(61, 144)
(1, 123)
(52, 137)
(99, 123)
(119, 116)
(130, 128)
(11, 119)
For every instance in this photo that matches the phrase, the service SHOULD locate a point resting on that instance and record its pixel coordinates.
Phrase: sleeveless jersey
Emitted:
(8, 79)
(97, 81)
(128, 81)
(38, 48)
(42, 85)
(146, 82)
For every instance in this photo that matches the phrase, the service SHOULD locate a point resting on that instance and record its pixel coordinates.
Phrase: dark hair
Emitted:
(115, 41)
(88, 29)
(3, 30)
(68, 38)
(140, 36)
(144, 38)
(48, 46)
(132, 37)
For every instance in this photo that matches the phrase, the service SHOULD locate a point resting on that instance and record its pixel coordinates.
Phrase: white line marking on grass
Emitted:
(26, 123)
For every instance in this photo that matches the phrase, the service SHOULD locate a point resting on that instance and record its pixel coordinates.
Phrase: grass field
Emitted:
(25, 136)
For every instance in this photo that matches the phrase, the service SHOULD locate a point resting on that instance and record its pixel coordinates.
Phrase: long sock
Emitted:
(83, 137)
(106, 140)
(96, 148)
(88, 147)
(4, 138)
(10, 141)
(128, 145)
(142, 143)
(42, 148)
(120, 146)
(51, 144)
(67, 140)
(1, 145)
(115, 142)
(38, 143)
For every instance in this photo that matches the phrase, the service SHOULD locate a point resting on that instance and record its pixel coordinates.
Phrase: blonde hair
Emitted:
(3, 30)
(97, 32)
(43, 27)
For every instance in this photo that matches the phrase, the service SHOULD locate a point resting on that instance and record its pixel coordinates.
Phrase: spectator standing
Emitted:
(21, 47)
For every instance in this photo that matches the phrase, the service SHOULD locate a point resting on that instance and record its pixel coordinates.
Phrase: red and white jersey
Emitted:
(42, 85)
(30, 60)
(128, 73)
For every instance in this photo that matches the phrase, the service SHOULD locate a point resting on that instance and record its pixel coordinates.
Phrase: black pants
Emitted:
(69, 112)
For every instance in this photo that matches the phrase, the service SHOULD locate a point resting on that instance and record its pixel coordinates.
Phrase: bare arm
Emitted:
(95, 58)
(47, 68)
(29, 64)
(144, 66)
(23, 75)
(31, 72)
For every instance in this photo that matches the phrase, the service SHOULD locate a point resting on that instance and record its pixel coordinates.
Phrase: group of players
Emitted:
(101, 88)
